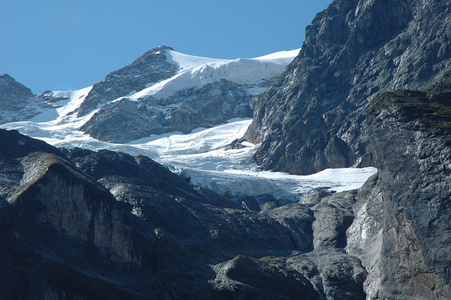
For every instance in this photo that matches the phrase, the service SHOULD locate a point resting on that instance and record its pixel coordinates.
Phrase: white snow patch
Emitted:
(240, 71)
(189, 61)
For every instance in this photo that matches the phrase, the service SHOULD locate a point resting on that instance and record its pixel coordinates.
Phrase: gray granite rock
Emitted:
(333, 216)
(333, 273)
(248, 278)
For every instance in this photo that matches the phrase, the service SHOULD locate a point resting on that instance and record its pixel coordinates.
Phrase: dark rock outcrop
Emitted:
(50, 97)
(333, 216)
(243, 277)
(63, 235)
(313, 117)
(335, 274)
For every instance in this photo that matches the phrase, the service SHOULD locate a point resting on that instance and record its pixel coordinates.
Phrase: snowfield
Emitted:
(202, 155)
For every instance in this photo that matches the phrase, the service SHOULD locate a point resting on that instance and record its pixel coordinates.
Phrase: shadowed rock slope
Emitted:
(125, 120)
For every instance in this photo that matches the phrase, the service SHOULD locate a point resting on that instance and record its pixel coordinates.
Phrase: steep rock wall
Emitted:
(18, 103)
(312, 117)
(402, 229)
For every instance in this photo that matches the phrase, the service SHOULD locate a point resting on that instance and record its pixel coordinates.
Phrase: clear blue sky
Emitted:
(62, 45)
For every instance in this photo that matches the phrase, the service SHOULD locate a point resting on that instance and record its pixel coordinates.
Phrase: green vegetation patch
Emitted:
(431, 107)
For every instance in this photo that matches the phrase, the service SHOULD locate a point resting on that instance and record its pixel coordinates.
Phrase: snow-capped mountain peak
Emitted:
(162, 72)
(182, 92)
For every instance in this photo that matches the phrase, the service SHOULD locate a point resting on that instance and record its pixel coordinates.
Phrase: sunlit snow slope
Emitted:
(203, 155)
(197, 71)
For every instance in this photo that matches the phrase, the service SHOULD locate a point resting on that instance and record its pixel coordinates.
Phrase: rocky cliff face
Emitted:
(401, 229)
(312, 118)
(329, 109)
(64, 236)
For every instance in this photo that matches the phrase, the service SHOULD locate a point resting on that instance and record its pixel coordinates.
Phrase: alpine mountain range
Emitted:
(319, 173)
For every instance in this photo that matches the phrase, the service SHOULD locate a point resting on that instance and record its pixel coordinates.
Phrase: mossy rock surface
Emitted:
(431, 107)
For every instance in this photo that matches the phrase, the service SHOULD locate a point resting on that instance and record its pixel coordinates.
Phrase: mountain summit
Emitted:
(166, 91)
(17, 101)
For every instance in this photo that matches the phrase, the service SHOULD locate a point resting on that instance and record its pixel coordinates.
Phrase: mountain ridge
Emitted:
(17, 101)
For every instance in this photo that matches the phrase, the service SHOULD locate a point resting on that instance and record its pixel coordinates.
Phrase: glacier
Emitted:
(203, 155)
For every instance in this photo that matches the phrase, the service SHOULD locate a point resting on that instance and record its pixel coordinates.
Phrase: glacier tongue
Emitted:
(204, 157)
